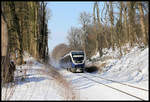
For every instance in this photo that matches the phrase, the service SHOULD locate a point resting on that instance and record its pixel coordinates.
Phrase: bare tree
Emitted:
(132, 27)
(125, 27)
(98, 28)
(119, 27)
(75, 38)
(18, 33)
(85, 20)
(143, 28)
(111, 15)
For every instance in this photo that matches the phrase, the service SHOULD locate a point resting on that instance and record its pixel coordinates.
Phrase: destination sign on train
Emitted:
(77, 55)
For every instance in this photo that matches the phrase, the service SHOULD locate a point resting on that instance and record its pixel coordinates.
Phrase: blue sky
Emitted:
(64, 15)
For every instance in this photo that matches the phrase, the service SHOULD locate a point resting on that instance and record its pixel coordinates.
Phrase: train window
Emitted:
(78, 59)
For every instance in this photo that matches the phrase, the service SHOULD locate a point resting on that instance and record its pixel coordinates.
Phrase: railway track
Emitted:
(119, 82)
(112, 87)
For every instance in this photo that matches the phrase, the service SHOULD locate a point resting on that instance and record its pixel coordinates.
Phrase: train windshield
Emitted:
(78, 57)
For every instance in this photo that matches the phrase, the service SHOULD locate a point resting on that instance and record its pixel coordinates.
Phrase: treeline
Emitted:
(27, 29)
(115, 25)
(24, 29)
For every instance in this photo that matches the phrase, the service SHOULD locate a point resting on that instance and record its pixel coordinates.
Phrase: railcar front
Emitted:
(78, 61)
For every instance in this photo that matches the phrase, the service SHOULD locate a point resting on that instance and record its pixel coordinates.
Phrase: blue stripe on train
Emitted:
(77, 66)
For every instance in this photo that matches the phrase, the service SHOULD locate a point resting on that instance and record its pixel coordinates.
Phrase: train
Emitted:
(74, 61)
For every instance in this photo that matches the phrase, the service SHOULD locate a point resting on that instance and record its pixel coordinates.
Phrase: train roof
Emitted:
(68, 54)
(76, 51)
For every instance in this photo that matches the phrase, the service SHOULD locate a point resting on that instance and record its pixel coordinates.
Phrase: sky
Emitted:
(64, 15)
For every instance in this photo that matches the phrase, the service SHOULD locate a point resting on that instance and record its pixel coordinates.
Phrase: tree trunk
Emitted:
(7, 74)
(142, 23)
(17, 27)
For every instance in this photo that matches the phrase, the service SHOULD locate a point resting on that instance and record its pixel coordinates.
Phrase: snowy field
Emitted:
(130, 69)
(34, 83)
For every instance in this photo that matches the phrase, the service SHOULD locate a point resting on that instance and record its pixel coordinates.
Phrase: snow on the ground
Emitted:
(131, 68)
(34, 86)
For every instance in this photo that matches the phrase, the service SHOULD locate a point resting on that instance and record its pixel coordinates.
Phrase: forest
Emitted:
(115, 25)
(24, 29)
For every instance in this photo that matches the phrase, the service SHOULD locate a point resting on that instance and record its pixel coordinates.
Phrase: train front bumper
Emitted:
(79, 69)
